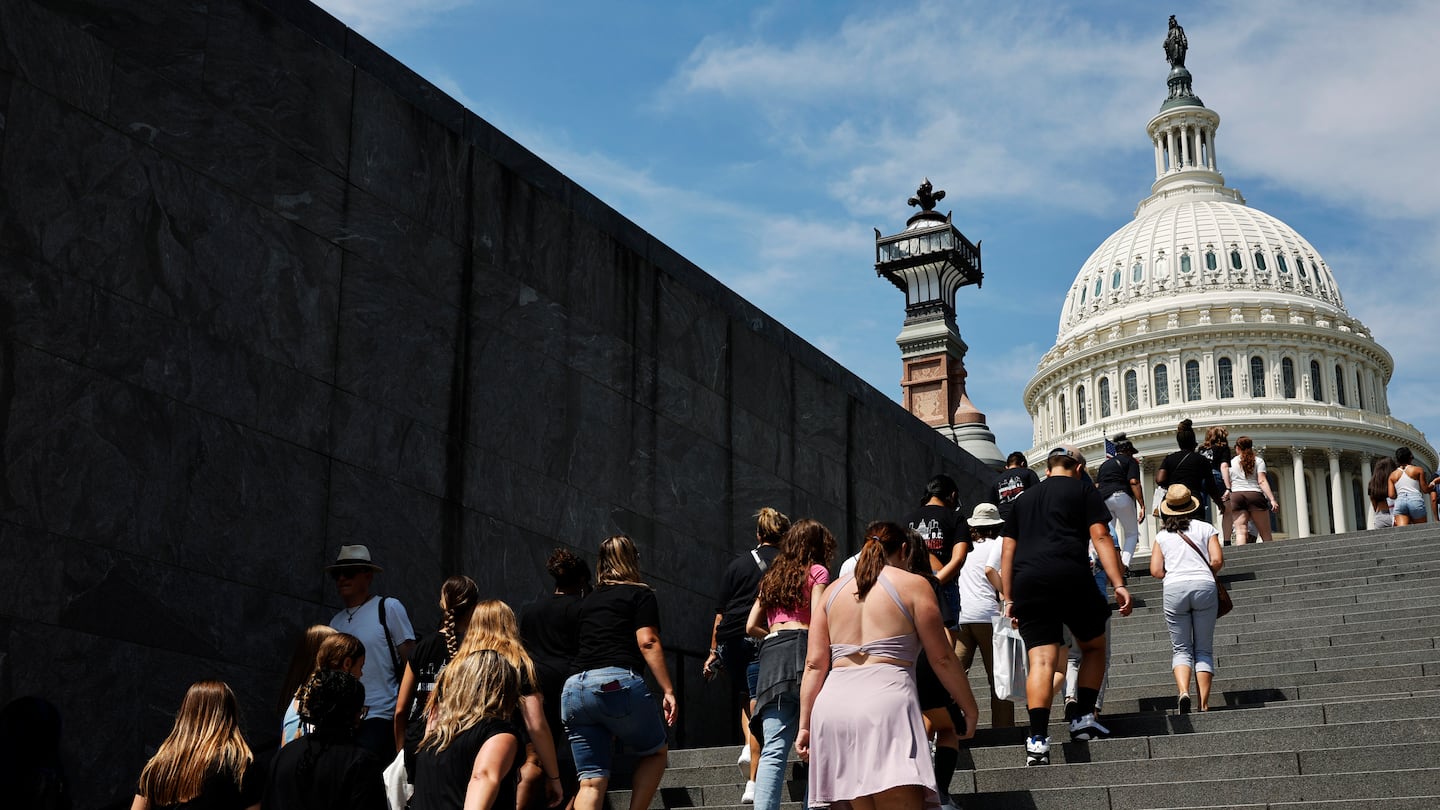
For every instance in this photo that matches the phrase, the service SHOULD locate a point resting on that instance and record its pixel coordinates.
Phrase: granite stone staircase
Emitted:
(1327, 697)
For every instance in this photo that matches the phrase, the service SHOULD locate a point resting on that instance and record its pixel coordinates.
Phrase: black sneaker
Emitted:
(1072, 709)
(1037, 751)
(1184, 704)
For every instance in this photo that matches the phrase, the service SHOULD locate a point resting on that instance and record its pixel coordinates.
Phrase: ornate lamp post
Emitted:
(929, 261)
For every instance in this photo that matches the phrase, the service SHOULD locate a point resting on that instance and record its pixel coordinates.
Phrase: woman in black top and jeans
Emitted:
(608, 698)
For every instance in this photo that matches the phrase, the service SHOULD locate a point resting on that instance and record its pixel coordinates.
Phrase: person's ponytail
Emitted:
(881, 539)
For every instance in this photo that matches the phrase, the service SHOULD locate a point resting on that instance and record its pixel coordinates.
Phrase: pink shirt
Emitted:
(819, 575)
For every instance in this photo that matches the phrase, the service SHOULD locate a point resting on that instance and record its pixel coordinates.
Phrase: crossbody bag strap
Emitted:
(390, 642)
(759, 561)
(1192, 545)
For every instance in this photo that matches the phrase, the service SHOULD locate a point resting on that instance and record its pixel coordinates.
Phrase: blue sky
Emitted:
(766, 141)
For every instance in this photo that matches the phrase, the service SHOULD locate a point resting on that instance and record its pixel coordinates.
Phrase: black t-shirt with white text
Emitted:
(1009, 485)
(609, 618)
(1051, 526)
(941, 529)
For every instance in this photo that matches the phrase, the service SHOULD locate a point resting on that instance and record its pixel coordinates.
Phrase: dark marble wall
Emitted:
(264, 291)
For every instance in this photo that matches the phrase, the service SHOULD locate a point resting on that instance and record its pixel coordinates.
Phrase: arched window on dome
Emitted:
(1099, 286)
(1185, 263)
(1192, 380)
(1317, 387)
(1235, 262)
(1260, 261)
(1080, 410)
(1226, 371)
(1115, 279)
(1083, 290)
(1287, 377)
(1132, 391)
(1063, 422)
(1257, 377)
(1280, 263)
(1104, 397)
(1162, 385)
(1339, 385)
(1210, 263)
(1160, 266)
(1359, 392)
(1300, 266)
(1137, 272)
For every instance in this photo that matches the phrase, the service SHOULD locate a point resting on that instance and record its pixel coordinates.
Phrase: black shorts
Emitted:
(1043, 607)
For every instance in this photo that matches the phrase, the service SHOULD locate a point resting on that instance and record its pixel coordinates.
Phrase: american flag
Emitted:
(1109, 448)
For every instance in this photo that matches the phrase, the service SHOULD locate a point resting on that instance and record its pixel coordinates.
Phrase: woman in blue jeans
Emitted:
(608, 699)
(788, 594)
(1187, 555)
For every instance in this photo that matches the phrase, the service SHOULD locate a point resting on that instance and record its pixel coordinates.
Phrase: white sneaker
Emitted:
(744, 759)
(748, 797)
(1088, 728)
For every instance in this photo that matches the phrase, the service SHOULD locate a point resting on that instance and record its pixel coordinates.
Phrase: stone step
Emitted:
(1259, 791)
(1424, 730)
(1407, 803)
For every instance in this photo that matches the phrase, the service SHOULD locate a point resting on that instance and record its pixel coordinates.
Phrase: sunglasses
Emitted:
(345, 573)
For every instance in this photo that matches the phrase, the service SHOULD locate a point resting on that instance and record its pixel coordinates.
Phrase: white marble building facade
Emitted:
(1204, 308)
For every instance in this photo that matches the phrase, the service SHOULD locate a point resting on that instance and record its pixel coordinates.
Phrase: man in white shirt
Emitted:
(387, 646)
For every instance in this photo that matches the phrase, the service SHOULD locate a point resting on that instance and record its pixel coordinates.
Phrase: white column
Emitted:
(1147, 487)
(1170, 141)
(1214, 161)
(1185, 156)
(1159, 157)
(1302, 502)
(1365, 473)
(1337, 492)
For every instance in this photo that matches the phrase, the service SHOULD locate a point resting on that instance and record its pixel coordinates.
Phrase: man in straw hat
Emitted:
(383, 626)
(1045, 576)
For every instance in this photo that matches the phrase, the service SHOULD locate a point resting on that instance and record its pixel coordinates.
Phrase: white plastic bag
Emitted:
(1010, 662)
(397, 784)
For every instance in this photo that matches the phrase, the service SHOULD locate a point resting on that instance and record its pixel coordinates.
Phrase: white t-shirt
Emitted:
(1238, 481)
(1182, 564)
(848, 567)
(379, 678)
(977, 596)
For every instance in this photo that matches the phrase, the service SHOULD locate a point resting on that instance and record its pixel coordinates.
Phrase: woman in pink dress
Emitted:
(860, 722)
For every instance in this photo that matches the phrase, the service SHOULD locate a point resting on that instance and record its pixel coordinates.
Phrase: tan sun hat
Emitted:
(985, 514)
(1179, 501)
(356, 556)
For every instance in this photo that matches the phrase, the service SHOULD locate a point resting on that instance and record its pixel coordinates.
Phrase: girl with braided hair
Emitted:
(326, 770)
(458, 597)
(337, 651)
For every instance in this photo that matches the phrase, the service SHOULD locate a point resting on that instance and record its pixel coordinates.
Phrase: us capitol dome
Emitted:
(1205, 308)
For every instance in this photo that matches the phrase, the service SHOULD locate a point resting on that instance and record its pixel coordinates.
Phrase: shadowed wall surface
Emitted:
(264, 291)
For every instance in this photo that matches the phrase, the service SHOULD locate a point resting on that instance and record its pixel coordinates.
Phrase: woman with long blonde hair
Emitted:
(608, 698)
(205, 756)
(458, 596)
(471, 749)
(493, 627)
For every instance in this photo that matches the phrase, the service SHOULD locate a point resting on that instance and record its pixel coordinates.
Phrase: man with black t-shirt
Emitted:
(938, 523)
(1045, 570)
(1012, 482)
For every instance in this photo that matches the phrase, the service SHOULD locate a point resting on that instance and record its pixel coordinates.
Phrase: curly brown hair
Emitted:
(785, 585)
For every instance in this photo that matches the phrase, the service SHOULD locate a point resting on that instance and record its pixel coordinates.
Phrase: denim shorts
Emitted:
(1409, 504)
(599, 706)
